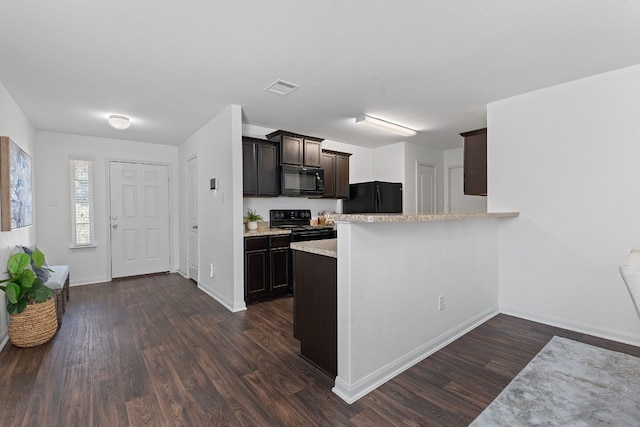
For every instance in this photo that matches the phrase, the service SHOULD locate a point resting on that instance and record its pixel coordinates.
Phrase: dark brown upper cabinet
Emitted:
(336, 174)
(475, 162)
(259, 167)
(298, 150)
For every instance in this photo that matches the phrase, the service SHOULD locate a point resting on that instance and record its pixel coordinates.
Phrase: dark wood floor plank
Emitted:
(156, 351)
(112, 410)
(144, 411)
(175, 402)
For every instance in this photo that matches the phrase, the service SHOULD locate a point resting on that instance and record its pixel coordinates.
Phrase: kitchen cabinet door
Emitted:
(291, 150)
(312, 153)
(267, 170)
(249, 169)
(342, 176)
(475, 162)
(336, 174)
(256, 267)
(328, 163)
(260, 173)
(280, 259)
(280, 266)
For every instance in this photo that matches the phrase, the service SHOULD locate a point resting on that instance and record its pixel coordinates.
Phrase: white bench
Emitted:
(59, 283)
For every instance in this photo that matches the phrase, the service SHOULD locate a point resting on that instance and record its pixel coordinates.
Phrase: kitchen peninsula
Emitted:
(315, 302)
(407, 285)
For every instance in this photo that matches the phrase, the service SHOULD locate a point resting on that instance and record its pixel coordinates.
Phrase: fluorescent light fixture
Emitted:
(388, 126)
(119, 122)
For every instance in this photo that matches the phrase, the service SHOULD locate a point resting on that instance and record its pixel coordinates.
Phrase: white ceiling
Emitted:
(172, 65)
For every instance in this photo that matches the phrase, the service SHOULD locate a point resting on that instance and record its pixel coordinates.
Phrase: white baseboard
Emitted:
(576, 326)
(89, 281)
(101, 279)
(352, 392)
(229, 305)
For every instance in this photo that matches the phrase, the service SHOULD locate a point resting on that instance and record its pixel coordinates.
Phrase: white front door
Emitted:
(139, 219)
(458, 202)
(426, 188)
(192, 217)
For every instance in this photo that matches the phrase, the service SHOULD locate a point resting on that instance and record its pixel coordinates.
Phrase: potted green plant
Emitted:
(252, 219)
(32, 312)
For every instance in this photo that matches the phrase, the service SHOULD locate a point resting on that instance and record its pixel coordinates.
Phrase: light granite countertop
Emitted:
(265, 232)
(370, 218)
(325, 247)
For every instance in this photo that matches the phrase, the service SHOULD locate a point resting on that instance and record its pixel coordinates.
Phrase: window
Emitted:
(82, 219)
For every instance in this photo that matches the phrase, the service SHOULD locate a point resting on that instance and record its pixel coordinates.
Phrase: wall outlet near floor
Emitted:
(441, 303)
(211, 270)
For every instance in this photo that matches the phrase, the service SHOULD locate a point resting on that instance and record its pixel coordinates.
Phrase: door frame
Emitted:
(434, 197)
(107, 208)
(186, 223)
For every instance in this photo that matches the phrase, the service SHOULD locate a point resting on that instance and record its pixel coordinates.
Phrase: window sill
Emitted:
(83, 246)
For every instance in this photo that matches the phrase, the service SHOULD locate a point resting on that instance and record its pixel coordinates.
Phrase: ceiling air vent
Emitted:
(281, 87)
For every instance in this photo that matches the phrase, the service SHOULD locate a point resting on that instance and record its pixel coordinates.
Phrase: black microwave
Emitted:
(297, 181)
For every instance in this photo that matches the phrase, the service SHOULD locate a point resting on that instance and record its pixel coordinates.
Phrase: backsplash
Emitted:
(264, 205)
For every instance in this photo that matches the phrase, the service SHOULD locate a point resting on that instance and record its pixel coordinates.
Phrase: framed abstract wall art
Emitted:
(16, 196)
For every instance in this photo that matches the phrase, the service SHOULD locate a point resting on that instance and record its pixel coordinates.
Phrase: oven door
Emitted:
(297, 181)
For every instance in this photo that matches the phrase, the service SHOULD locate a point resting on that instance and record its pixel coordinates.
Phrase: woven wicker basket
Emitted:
(36, 325)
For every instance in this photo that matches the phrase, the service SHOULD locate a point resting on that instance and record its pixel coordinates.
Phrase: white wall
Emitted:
(453, 159)
(420, 154)
(15, 125)
(397, 163)
(389, 163)
(390, 276)
(567, 158)
(218, 146)
(89, 265)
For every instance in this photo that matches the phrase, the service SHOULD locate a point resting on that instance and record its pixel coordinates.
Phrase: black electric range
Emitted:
(299, 222)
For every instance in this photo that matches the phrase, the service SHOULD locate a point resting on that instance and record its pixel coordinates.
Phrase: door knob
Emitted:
(195, 227)
(115, 225)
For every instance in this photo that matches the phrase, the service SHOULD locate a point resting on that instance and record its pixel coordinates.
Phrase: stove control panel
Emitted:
(290, 215)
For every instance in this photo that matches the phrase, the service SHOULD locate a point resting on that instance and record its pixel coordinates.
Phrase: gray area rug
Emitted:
(570, 384)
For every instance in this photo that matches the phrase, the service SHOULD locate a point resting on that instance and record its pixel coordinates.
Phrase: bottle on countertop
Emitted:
(320, 218)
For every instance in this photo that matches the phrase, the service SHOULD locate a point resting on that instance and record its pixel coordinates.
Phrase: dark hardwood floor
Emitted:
(156, 351)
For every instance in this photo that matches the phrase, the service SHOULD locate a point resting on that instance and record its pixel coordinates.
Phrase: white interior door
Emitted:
(139, 219)
(458, 202)
(426, 188)
(192, 217)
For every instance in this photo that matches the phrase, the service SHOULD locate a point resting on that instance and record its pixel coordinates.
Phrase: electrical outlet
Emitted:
(211, 270)
(441, 303)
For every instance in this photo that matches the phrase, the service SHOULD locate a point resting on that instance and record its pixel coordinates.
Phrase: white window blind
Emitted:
(82, 215)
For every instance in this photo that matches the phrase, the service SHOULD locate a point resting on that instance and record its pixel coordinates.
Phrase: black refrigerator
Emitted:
(374, 197)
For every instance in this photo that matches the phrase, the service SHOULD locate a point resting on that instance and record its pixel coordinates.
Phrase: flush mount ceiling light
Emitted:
(388, 126)
(119, 122)
(281, 87)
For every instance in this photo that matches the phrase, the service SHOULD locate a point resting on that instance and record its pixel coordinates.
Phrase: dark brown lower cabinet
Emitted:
(315, 311)
(267, 266)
